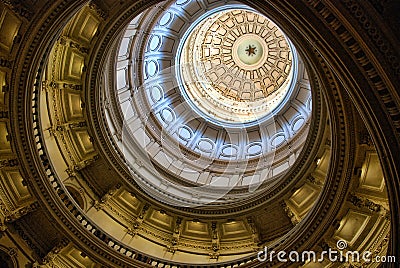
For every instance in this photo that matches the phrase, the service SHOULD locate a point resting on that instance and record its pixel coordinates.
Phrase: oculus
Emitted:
(235, 67)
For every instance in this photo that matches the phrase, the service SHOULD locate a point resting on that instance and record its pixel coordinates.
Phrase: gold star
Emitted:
(251, 50)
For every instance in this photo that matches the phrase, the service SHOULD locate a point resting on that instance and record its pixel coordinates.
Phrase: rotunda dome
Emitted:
(220, 107)
(235, 66)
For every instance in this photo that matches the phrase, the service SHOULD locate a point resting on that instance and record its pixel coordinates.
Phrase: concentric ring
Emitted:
(241, 72)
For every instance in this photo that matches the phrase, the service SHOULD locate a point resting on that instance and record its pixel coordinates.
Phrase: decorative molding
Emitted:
(363, 202)
(20, 212)
(66, 41)
(99, 11)
(20, 8)
(289, 212)
(5, 63)
(9, 162)
(133, 230)
(54, 252)
(99, 205)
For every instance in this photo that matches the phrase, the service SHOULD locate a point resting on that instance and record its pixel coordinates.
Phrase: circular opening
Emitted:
(235, 67)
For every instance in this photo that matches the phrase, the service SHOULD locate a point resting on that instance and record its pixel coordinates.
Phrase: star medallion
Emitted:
(251, 50)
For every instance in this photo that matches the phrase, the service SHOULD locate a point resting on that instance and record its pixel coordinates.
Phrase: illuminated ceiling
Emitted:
(144, 147)
(183, 116)
(235, 66)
